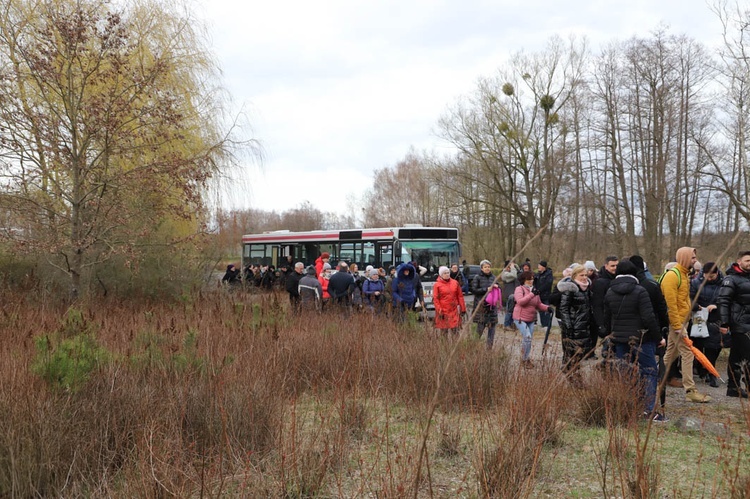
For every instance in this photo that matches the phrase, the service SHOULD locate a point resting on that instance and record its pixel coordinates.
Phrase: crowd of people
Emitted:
(641, 323)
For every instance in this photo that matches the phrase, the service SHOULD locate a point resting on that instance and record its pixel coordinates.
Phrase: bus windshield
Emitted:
(430, 254)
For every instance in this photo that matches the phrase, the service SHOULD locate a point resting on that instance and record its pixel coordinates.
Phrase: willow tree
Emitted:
(109, 126)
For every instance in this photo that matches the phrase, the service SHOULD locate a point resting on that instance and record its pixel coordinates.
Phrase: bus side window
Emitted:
(347, 252)
(368, 253)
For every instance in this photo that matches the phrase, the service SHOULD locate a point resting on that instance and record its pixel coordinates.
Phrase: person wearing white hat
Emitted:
(449, 303)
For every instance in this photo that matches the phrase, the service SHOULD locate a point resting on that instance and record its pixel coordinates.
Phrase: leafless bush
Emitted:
(608, 399)
(449, 439)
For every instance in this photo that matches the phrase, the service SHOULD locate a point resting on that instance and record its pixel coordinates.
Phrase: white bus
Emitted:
(430, 247)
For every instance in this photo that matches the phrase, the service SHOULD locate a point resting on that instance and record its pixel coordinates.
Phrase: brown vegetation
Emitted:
(228, 395)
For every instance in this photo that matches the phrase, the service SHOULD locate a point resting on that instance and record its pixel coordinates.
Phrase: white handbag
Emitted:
(699, 329)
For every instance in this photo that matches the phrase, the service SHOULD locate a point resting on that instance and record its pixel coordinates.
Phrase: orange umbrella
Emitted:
(702, 359)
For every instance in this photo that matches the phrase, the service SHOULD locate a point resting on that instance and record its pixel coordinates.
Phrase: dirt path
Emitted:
(721, 409)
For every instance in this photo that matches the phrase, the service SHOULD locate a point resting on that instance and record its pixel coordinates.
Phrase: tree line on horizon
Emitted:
(640, 147)
(114, 134)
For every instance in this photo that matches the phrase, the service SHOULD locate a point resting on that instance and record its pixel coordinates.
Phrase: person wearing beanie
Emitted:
(591, 272)
(310, 291)
(232, 275)
(320, 261)
(631, 325)
(324, 278)
(675, 285)
(660, 310)
(704, 290)
(449, 303)
(543, 281)
(373, 289)
(509, 278)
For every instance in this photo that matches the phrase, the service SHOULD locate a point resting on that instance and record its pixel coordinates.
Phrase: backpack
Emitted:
(679, 277)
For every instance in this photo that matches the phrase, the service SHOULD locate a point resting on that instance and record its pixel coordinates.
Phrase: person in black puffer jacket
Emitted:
(575, 320)
(630, 323)
(659, 305)
(734, 303)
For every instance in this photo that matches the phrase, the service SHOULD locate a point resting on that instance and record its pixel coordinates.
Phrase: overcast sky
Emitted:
(338, 88)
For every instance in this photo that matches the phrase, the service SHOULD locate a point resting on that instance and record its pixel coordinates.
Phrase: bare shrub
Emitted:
(306, 457)
(353, 417)
(742, 488)
(449, 439)
(507, 468)
(627, 465)
(530, 419)
(608, 399)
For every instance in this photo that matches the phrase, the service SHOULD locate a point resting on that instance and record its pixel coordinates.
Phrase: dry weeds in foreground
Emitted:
(227, 395)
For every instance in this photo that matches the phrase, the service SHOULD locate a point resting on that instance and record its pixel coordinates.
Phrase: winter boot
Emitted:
(736, 392)
(697, 397)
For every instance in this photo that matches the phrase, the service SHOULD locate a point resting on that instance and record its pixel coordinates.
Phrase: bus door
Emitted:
(385, 254)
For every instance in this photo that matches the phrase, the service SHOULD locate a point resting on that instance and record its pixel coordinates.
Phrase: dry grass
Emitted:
(230, 396)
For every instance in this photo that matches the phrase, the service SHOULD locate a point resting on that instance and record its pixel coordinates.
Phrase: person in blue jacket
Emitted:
(404, 290)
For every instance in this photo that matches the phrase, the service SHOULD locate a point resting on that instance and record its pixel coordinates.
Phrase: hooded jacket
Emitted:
(734, 300)
(575, 310)
(403, 287)
(676, 291)
(628, 311)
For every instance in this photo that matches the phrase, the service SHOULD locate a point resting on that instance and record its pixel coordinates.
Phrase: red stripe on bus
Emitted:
(311, 237)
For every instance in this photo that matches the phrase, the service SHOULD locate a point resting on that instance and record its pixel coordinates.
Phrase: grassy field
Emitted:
(227, 395)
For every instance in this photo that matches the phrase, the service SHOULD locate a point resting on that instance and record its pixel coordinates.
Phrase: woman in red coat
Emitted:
(449, 302)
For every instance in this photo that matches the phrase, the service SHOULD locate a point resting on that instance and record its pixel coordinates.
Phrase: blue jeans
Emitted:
(508, 319)
(644, 355)
(527, 330)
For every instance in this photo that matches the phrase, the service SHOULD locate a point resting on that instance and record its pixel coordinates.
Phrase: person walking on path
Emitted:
(630, 322)
(733, 302)
(675, 285)
(575, 320)
(525, 313)
(449, 303)
(485, 313)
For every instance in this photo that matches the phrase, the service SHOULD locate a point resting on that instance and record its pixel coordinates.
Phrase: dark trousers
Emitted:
(739, 361)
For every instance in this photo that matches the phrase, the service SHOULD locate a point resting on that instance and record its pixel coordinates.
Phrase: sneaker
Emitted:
(734, 392)
(660, 418)
(697, 397)
(675, 382)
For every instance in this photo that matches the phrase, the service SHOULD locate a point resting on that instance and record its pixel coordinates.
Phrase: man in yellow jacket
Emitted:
(675, 285)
